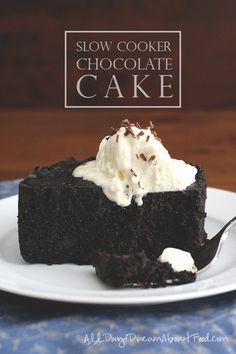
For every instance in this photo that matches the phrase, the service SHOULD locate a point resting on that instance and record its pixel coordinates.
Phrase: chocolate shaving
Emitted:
(132, 171)
(129, 131)
(137, 156)
(156, 137)
(107, 137)
(132, 133)
(140, 185)
(151, 125)
(143, 157)
(126, 123)
(140, 134)
(151, 158)
(117, 138)
(147, 138)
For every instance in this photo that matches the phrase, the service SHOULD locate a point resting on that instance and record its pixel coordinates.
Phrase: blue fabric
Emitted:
(44, 327)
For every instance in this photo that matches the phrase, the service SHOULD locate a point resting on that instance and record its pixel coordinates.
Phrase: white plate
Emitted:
(72, 283)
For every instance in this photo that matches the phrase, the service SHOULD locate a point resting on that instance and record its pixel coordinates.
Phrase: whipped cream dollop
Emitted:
(133, 162)
(178, 259)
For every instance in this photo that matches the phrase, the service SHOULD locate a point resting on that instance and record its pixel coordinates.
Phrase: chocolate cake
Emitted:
(133, 212)
(136, 270)
(66, 219)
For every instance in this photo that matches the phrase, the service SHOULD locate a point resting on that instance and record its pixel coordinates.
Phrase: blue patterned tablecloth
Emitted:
(44, 327)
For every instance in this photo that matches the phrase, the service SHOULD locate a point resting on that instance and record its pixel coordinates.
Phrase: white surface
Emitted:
(74, 283)
(179, 259)
(130, 166)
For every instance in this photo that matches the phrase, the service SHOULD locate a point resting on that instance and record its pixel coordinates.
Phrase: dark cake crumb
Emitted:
(136, 270)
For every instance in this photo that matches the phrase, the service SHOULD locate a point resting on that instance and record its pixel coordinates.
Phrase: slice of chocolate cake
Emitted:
(145, 202)
(65, 219)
